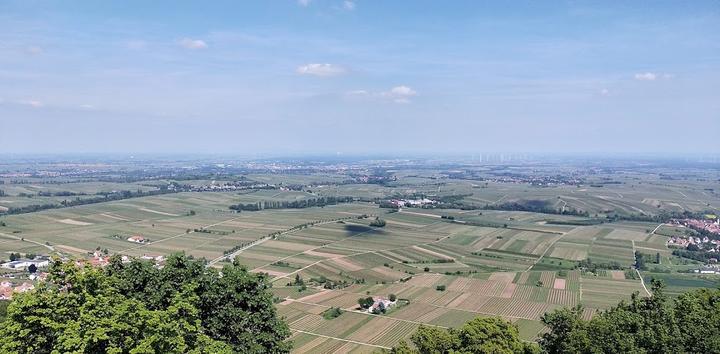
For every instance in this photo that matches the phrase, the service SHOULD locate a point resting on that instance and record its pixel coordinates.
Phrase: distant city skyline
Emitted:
(359, 77)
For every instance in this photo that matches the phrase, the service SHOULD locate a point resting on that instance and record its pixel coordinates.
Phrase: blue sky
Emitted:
(326, 76)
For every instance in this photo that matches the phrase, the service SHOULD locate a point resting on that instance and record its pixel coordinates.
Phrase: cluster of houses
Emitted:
(709, 269)
(99, 259)
(229, 186)
(7, 289)
(399, 203)
(703, 243)
(711, 223)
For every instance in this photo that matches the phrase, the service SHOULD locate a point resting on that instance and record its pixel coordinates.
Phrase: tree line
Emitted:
(294, 204)
(83, 201)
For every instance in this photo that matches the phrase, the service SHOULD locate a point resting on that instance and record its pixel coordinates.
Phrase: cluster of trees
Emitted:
(536, 206)
(331, 284)
(366, 302)
(481, 335)
(378, 223)
(642, 259)
(688, 324)
(14, 256)
(436, 260)
(183, 307)
(59, 194)
(333, 312)
(696, 255)
(295, 204)
(656, 324)
(589, 265)
(665, 216)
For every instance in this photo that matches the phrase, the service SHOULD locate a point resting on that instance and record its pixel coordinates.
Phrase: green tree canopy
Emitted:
(689, 324)
(183, 307)
(481, 335)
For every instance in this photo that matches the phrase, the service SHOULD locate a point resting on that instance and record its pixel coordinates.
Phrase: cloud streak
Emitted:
(324, 70)
(193, 44)
(399, 94)
(650, 76)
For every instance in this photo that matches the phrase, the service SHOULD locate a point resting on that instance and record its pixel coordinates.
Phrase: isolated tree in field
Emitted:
(299, 280)
(32, 268)
(366, 302)
(378, 223)
(639, 261)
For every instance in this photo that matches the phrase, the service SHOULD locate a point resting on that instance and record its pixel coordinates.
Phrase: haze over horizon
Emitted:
(327, 76)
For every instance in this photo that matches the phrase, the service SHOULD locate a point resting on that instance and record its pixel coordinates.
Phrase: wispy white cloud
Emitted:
(604, 92)
(400, 94)
(348, 5)
(304, 3)
(190, 43)
(32, 103)
(321, 70)
(648, 76)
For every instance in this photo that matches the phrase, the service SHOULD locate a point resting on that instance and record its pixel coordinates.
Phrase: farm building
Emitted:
(136, 239)
(25, 263)
(381, 304)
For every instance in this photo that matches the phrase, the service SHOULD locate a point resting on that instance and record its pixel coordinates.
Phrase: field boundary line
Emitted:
(341, 339)
(365, 312)
(642, 281)
(653, 231)
(178, 235)
(448, 308)
(23, 239)
(544, 253)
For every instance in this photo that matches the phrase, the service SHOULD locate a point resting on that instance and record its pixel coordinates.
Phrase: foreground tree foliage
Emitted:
(688, 324)
(136, 308)
(656, 324)
(481, 335)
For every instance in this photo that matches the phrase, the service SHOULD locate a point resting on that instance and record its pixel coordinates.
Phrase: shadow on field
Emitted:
(362, 230)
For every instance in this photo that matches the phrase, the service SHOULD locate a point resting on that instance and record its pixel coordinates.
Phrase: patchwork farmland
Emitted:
(444, 265)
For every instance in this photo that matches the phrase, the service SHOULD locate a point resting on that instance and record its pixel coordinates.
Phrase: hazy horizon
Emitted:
(320, 77)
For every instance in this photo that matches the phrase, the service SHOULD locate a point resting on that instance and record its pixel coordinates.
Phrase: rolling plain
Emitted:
(446, 265)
